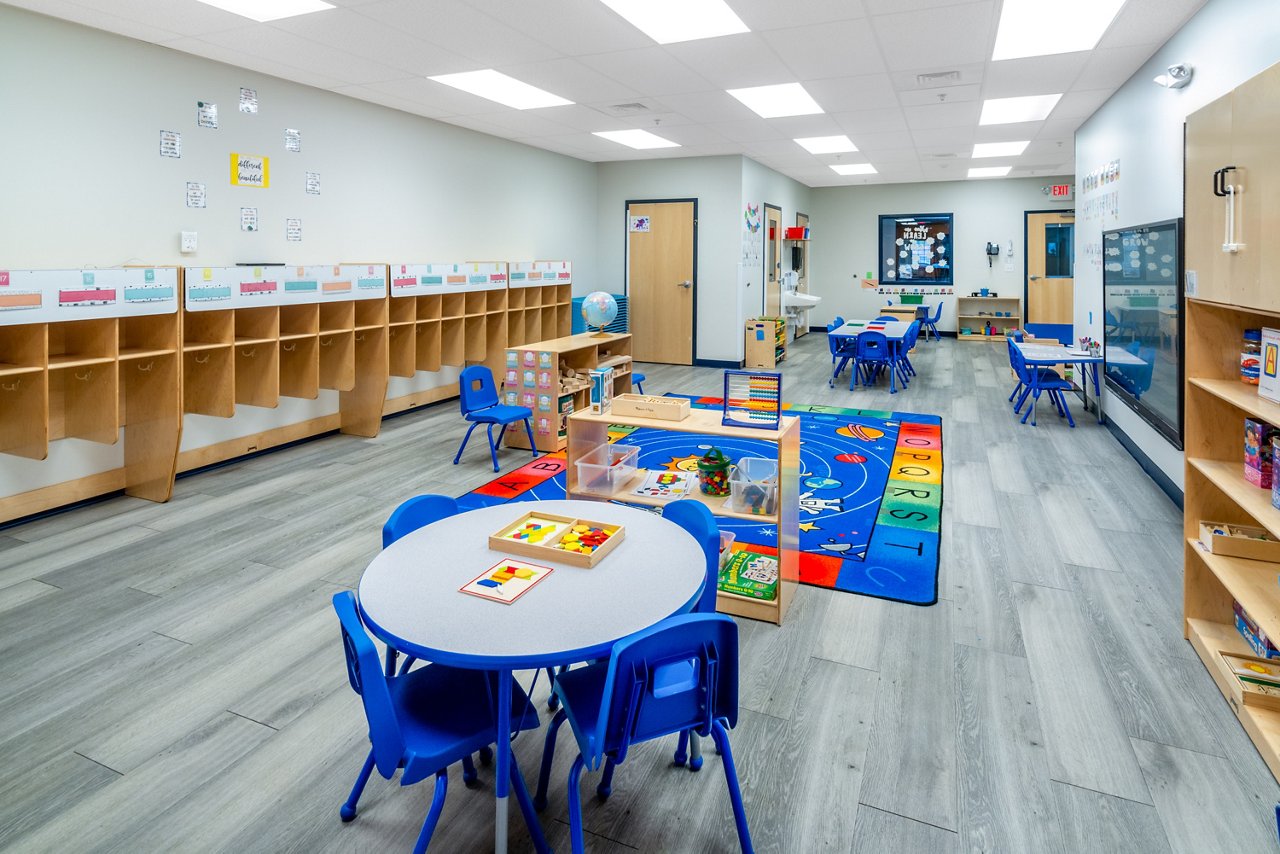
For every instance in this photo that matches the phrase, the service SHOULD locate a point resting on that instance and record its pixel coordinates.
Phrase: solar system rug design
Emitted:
(870, 494)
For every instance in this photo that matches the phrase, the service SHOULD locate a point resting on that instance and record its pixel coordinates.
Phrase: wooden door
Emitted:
(660, 287)
(1208, 146)
(1050, 260)
(772, 261)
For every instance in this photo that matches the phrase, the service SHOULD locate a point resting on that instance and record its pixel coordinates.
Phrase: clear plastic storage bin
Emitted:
(606, 469)
(753, 486)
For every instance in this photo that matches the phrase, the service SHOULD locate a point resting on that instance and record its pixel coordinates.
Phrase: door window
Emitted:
(1059, 250)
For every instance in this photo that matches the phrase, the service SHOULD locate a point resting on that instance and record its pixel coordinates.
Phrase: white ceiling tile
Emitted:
(105, 18)
(445, 100)
(184, 17)
(570, 79)
(799, 127)
(714, 105)
(746, 130)
(454, 25)
(957, 139)
(1081, 104)
(857, 122)
(1133, 25)
(943, 115)
(595, 28)
(950, 34)
(761, 15)
(525, 123)
(887, 7)
(286, 48)
(945, 95)
(773, 148)
(1110, 68)
(690, 135)
(357, 34)
(845, 94)
(967, 74)
(733, 62)
(651, 70)
(840, 49)
(583, 118)
(1033, 75)
(261, 64)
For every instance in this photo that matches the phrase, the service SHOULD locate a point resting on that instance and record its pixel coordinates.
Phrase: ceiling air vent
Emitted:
(938, 78)
(633, 107)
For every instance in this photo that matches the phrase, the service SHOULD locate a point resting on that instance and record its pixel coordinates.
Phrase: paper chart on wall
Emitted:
(293, 229)
(170, 143)
(313, 183)
(216, 288)
(248, 219)
(292, 139)
(195, 194)
(248, 100)
(206, 115)
(52, 296)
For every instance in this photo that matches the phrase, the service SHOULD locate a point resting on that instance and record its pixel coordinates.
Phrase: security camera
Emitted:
(1176, 76)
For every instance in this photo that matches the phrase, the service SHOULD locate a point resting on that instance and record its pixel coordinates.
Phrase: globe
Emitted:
(599, 309)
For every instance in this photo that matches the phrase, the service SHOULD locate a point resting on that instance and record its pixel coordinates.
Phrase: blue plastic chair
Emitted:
(1036, 381)
(841, 348)
(835, 324)
(872, 355)
(889, 317)
(906, 370)
(681, 674)
(931, 323)
(423, 721)
(478, 399)
(637, 380)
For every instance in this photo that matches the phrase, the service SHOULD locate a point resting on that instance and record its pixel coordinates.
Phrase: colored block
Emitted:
(904, 467)
(485, 582)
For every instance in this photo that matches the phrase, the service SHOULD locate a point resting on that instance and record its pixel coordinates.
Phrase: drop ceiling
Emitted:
(904, 79)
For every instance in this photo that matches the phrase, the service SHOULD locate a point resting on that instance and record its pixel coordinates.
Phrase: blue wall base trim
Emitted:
(718, 363)
(1153, 471)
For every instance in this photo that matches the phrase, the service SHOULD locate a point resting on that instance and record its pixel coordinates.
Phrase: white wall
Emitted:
(846, 243)
(762, 185)
(716, 182)
(1141, 125)
(82, 112)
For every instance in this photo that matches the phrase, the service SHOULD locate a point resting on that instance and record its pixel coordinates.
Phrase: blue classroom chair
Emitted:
(637, 380)
(931, 323)
(872, 354)
(835, 324)
(423, 721)
(906, 370)
(478, 399)
(681, 674)
(1037, 380)
(841, 348)
(893, 317)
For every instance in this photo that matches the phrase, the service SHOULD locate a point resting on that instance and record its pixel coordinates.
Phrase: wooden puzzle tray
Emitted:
(562, 539)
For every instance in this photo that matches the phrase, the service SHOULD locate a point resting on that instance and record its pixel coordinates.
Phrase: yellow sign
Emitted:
(250, 170)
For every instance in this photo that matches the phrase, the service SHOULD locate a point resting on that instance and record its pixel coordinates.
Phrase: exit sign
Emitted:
(1061, 191)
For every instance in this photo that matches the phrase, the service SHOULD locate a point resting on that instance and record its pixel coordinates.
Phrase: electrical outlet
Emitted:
(188, 242)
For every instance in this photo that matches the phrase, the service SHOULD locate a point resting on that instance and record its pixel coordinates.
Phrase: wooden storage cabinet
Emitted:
(539, 302)
(531, 377)
(588, 431)
(968, 315)
(1230, 297)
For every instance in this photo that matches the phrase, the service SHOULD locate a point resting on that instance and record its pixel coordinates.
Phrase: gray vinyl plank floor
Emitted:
(174, 680)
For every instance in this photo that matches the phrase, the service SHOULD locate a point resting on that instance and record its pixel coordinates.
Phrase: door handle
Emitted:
(1034, 278)
(686, 284)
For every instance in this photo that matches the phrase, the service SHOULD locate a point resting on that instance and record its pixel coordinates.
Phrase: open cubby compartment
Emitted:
(82, 342)
(402, 309)
(453, 342)
(338, 361)
(617, 348)
(371, 313)
(532, 297)
(23, 349)
(431, 307)
(496, 301)
(24, 410)
(300, 367)
(475, 338)
(428, 346)
(564, 294)
(564, 319)
(152, 424)
(207, 329)
(400, 351)
(257, 372)
(495, 336)
(146, 336)
(257, 324)
(84, 402)
(337, 317)
(515, 328)
(516, 297)
(453, 305)
(209, 382)
(475, 302)
(547, 330)
(297, 321)
(532, 327)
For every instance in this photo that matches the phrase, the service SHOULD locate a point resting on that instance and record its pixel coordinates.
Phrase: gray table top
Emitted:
(891, 329)
(409, 595)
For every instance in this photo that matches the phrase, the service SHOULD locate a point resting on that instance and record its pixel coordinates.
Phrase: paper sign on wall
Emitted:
(250, 170)
(170, 143)
(292, 139)
(640, 223)
(248, 219)
(248, 100)
(313, 183)
(293, 229)
(206, 114)
(195, 194)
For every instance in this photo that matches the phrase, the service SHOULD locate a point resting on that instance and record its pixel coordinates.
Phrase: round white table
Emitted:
(410, 599)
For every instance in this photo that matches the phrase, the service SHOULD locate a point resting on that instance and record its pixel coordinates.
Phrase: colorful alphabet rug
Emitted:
(870, 494)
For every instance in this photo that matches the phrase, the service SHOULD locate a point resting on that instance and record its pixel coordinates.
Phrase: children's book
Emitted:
(507, 580)
(666, 485)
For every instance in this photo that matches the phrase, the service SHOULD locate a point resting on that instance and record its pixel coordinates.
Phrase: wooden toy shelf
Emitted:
(968, 314)
(1232, 294)
(588, 431)
(531, 377)
(539, 302)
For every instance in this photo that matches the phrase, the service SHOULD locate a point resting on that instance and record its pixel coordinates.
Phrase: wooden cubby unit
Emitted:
(968, 315)
(338, 360)
(430, 307)
(401, 347)
(257, 371)
(453, 342)
(1231, 293)
(337, 317)
(300, 367)
(587, 431)
(209, 380)
(428, 345)
(299, 321)
(453, 305)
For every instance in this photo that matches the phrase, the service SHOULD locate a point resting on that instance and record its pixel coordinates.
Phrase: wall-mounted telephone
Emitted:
(993, 249)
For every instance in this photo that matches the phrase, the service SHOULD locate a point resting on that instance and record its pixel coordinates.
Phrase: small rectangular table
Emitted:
(906, 312)
(1048, 355)
(894, 330)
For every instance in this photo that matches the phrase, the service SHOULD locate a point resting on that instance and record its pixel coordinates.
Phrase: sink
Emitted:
(791, 299)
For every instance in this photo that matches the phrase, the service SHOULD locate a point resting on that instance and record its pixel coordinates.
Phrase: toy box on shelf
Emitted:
(1258, 451)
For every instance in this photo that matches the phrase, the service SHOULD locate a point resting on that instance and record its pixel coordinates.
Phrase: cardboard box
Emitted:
(1222, 538)
(1255, 682)
(1257, 451)
(644, 406)
(601, 390)
(1269, 367)
(1253, 634)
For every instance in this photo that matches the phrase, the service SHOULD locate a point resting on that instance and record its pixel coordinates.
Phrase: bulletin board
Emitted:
(916, 250)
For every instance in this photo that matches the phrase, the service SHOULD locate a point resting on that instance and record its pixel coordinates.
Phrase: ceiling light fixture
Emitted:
(827, 144)
(989, 171)
(1000, 149)
(268, 10)
(496, 86)
(772, 102)
(1024, 31)
(1030, 108)
(854, 169)
(636, 138)
(670, 21)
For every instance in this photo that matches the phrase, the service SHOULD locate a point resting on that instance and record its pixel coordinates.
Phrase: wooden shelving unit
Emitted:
(83, 355)
(969, 314)
(531, 377)
(1230, 296)
(447, 314)
(540, 301)
(587, 431)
